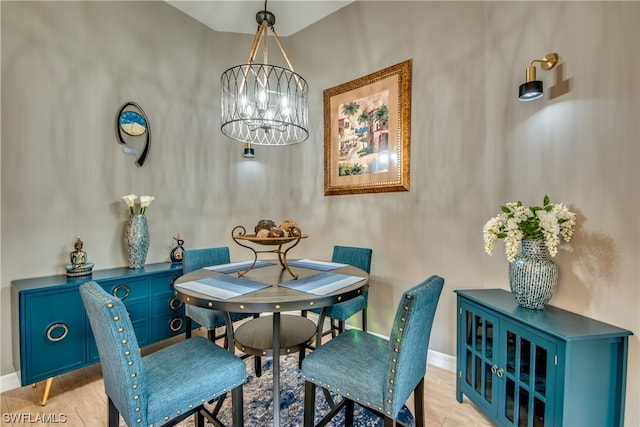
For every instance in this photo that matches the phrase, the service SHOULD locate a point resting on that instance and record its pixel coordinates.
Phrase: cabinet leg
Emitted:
(47, 390)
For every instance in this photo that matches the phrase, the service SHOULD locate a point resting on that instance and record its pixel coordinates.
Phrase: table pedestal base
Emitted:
(275, 335)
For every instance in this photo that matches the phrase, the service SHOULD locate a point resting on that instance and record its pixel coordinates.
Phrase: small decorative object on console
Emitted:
(79, 265)
(176, 252)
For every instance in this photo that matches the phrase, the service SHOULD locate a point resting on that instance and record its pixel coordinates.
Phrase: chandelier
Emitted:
(264, 104)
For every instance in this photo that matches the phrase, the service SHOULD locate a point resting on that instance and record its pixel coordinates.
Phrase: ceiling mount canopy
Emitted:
(264, 104)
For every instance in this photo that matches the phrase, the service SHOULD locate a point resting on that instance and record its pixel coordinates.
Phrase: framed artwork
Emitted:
(367, 126)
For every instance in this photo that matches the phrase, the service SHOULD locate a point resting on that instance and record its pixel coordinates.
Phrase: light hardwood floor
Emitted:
(77, 399)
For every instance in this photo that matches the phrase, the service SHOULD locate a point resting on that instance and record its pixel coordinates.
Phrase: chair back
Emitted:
(409, 342)
(195, 259)
(119, 352)
(357, 257)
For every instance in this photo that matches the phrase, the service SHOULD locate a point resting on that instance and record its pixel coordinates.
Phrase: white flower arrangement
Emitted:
(516, 223)
(145, 201)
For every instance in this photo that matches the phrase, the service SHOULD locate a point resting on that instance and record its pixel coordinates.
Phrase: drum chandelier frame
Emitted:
(264, 104)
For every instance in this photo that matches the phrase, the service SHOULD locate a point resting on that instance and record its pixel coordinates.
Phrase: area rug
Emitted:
(258, 402)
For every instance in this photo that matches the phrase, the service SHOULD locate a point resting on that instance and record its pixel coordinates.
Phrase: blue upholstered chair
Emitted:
(166, 386)
(195, 259)
(373, 372)
(339, 313)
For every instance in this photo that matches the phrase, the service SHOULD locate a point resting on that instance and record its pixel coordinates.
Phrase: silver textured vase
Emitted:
(533, 277)
(136, 240)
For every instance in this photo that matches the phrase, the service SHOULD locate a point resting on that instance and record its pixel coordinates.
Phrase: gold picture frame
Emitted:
(367, 127)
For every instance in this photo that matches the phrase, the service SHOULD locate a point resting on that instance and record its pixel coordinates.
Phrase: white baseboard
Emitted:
(9, 382)
(441, 360)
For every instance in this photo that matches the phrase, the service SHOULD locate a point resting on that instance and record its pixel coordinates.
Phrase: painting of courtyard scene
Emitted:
(363, 129)
(367, 125)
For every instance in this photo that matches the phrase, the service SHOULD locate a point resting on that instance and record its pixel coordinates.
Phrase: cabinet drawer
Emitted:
(166, 305)
(127, 290)
(167, 326)
(52, 341)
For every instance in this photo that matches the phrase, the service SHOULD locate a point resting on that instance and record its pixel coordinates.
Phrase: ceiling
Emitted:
(239, 16)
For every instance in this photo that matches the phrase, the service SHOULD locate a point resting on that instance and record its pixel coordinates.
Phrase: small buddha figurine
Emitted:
(79, 265)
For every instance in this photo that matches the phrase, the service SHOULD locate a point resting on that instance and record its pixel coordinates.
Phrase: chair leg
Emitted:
(257, 366)
(388, 422)
(199, 419)
(309, 404)
(237, 417)
(418, 396)
(188, 326)
(348, 413)
(113, 415)
(335, 329)
(341, 326)
(364, 319)
(301, 358)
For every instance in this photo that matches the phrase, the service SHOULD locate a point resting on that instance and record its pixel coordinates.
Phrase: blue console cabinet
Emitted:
(53, 330)
(548, 367)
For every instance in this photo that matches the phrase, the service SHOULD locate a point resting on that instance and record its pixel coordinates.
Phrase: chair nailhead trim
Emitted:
(133, 375)
(116, 318)
(124, 341)
(136, 397)
(110, 305)
(135, 386)
(139, 420)
(126, 353)
(137, 409)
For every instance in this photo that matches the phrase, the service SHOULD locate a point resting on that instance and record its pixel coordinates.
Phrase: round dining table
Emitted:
(277, 295)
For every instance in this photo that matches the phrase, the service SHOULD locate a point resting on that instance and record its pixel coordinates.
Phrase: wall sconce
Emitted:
(532, 88)
(249, 153)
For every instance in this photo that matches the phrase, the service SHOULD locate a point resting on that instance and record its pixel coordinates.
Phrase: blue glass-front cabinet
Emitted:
(534, 368)
(51, 331)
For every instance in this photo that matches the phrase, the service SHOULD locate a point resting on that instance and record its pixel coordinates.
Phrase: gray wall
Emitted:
(68, 67)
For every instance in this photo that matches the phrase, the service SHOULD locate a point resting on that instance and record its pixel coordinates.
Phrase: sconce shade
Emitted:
(530, 91)
(532, 88)
(249, 152)
(262, 103)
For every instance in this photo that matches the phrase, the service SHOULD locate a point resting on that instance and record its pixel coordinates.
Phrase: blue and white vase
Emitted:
(533, 277)
(136, 240)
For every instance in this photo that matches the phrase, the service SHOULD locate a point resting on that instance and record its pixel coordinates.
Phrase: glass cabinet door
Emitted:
(479, 354)
(528, 378)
